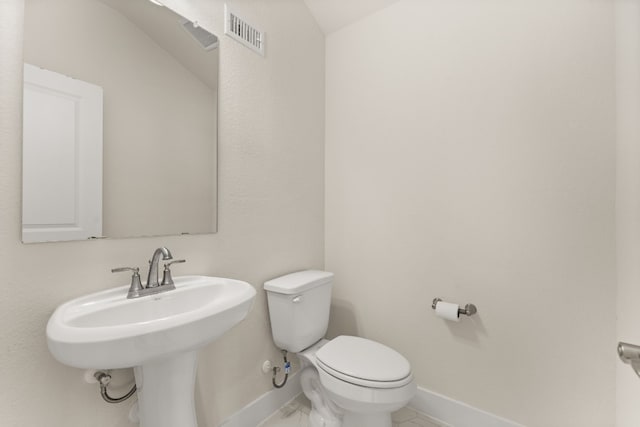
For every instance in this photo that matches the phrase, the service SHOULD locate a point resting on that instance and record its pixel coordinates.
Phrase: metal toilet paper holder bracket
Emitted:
(468, 309)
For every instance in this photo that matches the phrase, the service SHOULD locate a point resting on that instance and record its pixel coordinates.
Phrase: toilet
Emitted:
(350, 381)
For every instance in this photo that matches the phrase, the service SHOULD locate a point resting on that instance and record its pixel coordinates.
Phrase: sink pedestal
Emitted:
(166, 391)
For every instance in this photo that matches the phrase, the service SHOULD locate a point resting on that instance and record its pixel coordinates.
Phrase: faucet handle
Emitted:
(121, 269)
(167, 280)
(136, 284)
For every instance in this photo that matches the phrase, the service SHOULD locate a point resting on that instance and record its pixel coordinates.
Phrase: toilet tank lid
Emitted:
(298, 282)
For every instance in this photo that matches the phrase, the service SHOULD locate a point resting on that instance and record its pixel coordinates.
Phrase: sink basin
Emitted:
(105, 330)
(157, 335)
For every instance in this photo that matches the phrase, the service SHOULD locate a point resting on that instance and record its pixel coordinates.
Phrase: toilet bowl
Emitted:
(361, 382)
(350, 381)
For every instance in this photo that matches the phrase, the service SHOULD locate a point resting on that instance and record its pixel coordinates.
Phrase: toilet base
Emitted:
(376, 419)
(323, 412)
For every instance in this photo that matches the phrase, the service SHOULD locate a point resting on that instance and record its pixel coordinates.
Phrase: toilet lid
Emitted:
(364, 362)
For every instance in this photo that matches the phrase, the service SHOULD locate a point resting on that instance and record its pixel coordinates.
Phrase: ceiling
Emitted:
(332, 15)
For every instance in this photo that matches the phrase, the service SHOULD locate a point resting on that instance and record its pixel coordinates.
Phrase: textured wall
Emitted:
(270, 221)
(470, 155)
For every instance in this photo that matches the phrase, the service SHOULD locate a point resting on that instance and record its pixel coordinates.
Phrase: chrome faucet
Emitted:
(152, 278)
(153, 285)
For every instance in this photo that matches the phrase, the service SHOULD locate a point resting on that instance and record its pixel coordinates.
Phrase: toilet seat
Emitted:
(363, 362)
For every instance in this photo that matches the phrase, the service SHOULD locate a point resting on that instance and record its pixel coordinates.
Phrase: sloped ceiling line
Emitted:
(333, 15)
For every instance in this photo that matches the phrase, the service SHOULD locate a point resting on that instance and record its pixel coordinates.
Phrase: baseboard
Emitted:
(454, 413)
(441, 408)
(261, 408)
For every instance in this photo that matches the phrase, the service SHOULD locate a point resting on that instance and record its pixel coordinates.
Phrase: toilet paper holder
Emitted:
(468, 309)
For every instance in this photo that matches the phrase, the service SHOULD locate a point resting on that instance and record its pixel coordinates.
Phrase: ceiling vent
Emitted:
(243, 32)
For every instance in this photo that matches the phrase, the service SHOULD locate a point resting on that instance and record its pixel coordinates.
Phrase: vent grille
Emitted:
(243, 32)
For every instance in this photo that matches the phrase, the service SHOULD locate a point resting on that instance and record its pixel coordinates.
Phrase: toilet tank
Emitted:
(299, 306)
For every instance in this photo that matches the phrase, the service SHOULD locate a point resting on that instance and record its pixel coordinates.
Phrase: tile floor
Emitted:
(296, 414)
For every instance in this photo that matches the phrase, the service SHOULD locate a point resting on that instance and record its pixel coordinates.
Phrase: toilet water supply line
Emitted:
(104, 379)
(287, 369)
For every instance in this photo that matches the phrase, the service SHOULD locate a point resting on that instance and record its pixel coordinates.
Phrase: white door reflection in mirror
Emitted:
(62, 157)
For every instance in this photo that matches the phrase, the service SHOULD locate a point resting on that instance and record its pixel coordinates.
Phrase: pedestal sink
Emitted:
(158, 335)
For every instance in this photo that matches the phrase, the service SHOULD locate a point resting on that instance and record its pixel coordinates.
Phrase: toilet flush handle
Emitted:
(297, 299)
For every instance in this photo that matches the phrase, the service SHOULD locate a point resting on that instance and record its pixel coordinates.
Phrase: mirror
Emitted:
(119, 122)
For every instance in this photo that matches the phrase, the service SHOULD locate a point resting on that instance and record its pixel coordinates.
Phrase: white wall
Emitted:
(270, 221)
(470, 155)
(628, 202)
